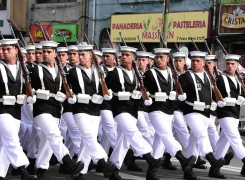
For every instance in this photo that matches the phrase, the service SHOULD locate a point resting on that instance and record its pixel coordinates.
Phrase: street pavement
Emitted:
(232, 171)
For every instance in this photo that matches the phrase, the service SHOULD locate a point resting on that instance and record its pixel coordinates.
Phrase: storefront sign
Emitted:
(232, 18)
(36, 33)
(4, 25)
(67, 29)
(182, 27)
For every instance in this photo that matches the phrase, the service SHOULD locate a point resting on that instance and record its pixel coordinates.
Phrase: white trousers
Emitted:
(63, 128)
(10, 149)
(34, 138)
(142, 125)
(128, 134)
(163, 126)
(229, 136)
(199, 135)
(180, 128)
(212, 131)
(73, 132)
(90, 148)
(51, 140)
(109, 130)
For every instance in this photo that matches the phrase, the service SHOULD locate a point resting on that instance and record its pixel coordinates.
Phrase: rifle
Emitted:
(217, 93)
(141, 44)
(138, 76)
(46, 33)
(173, 69)
(76, 39)
(64, 39)
(111, 44)
(194, 44)
(25, 71)
(1, 35)
(236, 72)
(101, 74)
(41, 29)
(176, 46)
(95, 45)
(209, 52)
(31, 37)
(22, 39)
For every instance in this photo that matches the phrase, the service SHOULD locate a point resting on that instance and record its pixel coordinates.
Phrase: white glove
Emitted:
(182, 97)
(109, 96)
(33, 91)
(72, 100)
(240, 100)
(148, 102)
(221, 103)
(31, 100)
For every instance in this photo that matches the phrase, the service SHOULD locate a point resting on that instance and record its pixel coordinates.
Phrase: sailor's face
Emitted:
(73, 57)
(162, 60)
(1, 53)
(126, 58)
(48, 55)
(39, 57)
(197, 64)
(211, 65)
(231, 67)
(63, 57)
(142, 62)
(179, 63)
(9, 52)
(30, 56)
(85, 57)
(109, 60)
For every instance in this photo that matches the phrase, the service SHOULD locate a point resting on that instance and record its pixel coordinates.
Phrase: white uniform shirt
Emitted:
(13, 70)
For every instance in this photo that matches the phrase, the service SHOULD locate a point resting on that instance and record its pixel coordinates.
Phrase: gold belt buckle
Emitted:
(51, 95)
(207, 106)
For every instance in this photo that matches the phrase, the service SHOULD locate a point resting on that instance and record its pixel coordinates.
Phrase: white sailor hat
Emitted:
(30, 48)
(38, 46)
(152, 56)
(9, 42)
(232, 57)
(23, 50)
(85, 47)
(98, 53)
(198, 54)
(49, 44)
(142, 54)
(62, 49)
(109, 51)
(128, 49)
(179, 55)
(210, 57)
(72, 48)
(162, 50)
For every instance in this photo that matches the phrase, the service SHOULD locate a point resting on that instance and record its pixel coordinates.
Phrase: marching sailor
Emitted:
(196, 84)
(47, 82)
(122, 81)
(11, 86)
(159, 82)
(85, 83)
(38, 53)
(228, 112)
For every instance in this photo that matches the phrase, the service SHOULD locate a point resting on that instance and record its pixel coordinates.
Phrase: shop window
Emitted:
(55, 1)
(3, 4)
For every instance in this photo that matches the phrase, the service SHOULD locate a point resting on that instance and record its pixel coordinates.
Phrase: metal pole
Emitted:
(166, 17)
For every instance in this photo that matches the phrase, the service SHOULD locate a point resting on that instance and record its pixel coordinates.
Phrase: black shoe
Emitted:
(152, 162)
(167, 163)
(73, 168)
(243, 168)
(91, 166)
(25, 175)
(228, 157)
(200, 161)
(41, 173)
(98, 169)
(62, 169)
(115, 175)
(134, 167)
(189, 175)
(215, 164)
(53, 161)
(150, 175)
(107, 167)
(186, 163)
(199, 166)
(217, 174)
(31, 168)
(1, 178)
(75, 157)
(14, 172)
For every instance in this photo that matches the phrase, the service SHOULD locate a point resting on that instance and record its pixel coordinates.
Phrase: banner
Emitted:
(182, 26)
(232, 19)
(36, 33)
(68, 29)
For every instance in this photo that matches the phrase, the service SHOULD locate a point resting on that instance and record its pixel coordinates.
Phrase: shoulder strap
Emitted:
(96, 76)
(195, 84)
(121, 78)
(80, 79)
(156, 79)
(171, 77)
(40, 72)
(227, 85)
(5, 78)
